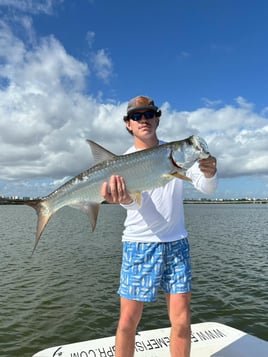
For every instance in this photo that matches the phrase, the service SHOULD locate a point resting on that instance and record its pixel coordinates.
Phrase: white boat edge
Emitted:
(209, 339)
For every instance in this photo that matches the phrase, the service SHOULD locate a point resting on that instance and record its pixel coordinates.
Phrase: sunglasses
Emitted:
(147, 115)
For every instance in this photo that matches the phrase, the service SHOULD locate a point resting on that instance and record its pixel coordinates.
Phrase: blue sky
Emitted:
(68, 69)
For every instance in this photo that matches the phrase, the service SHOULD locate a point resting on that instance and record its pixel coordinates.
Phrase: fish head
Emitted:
(200, 146)
(184, 153)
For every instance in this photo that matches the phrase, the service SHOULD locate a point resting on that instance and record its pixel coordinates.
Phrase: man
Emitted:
(155, 245)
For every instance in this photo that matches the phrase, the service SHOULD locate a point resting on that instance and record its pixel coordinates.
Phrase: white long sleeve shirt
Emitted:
(160, 217)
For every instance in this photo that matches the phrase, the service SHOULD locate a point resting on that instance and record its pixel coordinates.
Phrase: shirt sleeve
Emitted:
(200, 182)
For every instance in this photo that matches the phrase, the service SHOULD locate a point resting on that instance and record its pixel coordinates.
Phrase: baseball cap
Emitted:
(141, 103)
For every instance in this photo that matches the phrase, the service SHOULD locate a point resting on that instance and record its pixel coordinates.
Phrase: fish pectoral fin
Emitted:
(137, 196)
(100, 153)
(91, 209)
(181, 176)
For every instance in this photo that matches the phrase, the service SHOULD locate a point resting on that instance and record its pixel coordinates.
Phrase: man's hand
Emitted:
(115, 191)
(208, 166)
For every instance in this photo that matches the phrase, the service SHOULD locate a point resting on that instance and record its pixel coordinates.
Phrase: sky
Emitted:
(68, 69)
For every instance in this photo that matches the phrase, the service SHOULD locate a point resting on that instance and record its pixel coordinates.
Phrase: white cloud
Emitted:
(45, 117)
(184, 55)
(31, 6)
(90, 38)
(102, 64)
(237, 136)
(51, 143)
(212, 103)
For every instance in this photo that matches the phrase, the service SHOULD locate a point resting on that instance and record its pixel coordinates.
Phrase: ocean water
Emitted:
(66, 291)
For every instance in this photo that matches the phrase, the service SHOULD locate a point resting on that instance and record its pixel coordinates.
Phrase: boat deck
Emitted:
(209, 339)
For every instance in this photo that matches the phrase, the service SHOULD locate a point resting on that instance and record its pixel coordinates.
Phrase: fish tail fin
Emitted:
(43, 216)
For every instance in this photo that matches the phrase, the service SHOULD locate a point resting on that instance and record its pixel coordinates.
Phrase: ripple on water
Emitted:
(66, 291)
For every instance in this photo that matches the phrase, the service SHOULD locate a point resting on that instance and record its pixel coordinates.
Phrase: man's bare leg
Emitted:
(130, 315)
(180, 318)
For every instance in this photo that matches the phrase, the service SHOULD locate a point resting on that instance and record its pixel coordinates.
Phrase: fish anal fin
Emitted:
(100, 153)
(91, 209)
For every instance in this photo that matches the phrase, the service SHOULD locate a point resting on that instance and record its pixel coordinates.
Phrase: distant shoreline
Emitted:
(188, 201)
(257, 201)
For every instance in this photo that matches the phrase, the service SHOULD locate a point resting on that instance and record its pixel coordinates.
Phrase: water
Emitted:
(66, 292)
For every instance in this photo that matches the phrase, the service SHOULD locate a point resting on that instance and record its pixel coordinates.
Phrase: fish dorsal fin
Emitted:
(100, 153)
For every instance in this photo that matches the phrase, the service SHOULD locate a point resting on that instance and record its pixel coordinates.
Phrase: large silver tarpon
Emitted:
(142, 170)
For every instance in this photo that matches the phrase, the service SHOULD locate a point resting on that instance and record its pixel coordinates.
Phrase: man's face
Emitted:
(143, 124)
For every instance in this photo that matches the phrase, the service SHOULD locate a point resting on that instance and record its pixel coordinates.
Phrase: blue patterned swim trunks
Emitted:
(148, 266)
